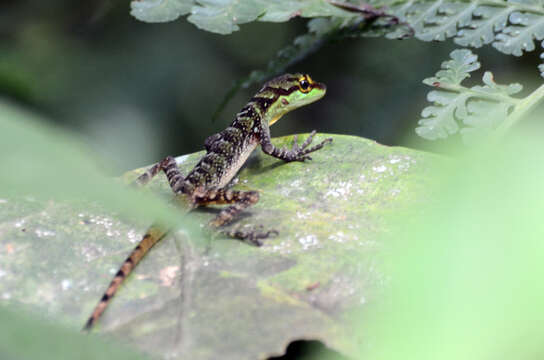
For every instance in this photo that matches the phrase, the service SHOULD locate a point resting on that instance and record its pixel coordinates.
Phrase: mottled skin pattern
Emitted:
(226, 152)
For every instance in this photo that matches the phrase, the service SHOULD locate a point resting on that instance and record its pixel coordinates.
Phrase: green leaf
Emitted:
(160, 10)
(511, 26)
(457, 69)
(440, 121)
(541, 66)
(466, 274)
(482, 118)
(487, 20)
(24, 336)
(221, 298)
(481, 108)
(444, 22)
(519, 36)
(223, 16)
(48, 163)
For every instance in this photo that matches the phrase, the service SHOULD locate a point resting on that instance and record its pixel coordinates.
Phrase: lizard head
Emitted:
(291, 92)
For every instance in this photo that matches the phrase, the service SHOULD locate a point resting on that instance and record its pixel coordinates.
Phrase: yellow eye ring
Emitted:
(304, 85)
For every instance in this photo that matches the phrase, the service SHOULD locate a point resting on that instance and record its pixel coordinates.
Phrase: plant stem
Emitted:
(522, 108)
(498, 97)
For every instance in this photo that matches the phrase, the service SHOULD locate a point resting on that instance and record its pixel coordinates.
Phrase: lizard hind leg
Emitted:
(250, 236)
(239, 201)
(170, 168)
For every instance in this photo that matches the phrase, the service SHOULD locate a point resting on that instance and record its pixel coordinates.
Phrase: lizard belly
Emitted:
(237, 164)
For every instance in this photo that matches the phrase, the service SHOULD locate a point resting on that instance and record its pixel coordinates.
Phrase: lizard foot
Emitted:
(301, 152)
(251, 236)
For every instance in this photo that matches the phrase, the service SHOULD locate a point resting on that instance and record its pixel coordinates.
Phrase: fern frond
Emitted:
(479, 109)
(511, 26)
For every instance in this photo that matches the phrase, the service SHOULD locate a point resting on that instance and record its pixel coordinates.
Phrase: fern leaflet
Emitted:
(511, 26)
(478, 110)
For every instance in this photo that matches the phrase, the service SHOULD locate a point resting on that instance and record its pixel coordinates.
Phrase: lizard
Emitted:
(226, 152)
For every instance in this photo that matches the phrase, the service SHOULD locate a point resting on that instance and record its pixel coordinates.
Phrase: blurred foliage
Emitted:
(47, 163)
(24, 336)
(224, 16)
(466, 274)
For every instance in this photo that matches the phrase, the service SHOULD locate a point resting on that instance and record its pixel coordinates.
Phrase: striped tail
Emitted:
(153, 235)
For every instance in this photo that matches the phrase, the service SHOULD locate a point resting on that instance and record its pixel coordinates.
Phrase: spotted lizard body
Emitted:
(226, 152)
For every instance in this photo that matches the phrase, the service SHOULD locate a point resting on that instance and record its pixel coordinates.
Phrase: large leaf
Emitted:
(159, 10)
(511, 26)
(224, 16)
(222, 298)
(44, 163)
(466, 275)
(23, 337)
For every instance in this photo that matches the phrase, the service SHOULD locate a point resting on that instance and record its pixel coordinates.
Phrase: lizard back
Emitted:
(227, 151)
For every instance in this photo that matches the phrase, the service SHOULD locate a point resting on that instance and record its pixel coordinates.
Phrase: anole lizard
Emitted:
(226, 152)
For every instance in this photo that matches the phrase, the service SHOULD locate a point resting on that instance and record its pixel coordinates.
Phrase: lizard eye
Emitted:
(304, 85)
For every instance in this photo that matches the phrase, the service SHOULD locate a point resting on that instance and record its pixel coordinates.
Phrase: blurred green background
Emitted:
(137, 92)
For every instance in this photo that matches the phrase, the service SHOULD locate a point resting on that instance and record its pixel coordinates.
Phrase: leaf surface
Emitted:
(160, 10)
(200, 298)
(481, 108)
(224, 16)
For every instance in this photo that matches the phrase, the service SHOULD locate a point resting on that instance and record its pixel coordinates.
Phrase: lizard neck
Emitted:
(227, 151)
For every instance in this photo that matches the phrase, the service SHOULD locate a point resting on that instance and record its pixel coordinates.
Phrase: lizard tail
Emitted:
(153, 235)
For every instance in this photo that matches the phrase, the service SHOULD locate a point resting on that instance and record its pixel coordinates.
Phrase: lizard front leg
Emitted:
(297, 153)
(240, 200)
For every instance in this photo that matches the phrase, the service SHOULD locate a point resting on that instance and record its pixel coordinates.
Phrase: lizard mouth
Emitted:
(318, 85)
